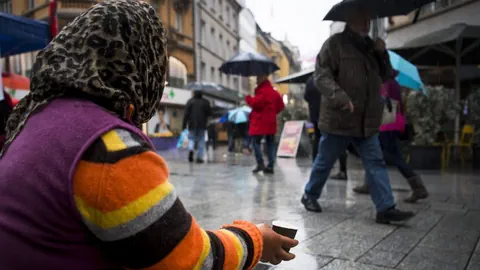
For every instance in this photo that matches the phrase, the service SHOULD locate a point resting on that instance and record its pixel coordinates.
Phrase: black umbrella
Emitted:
(379, 8)
(249, 64)
(300, 77)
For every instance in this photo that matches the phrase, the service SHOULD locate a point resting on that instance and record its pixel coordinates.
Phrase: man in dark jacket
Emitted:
(195, 119)
(313, 98)
(349, 72)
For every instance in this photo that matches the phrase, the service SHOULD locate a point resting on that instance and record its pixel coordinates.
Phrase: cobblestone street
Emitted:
(443, 235)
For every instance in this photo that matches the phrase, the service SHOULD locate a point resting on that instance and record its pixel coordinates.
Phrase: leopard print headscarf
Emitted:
(115, 51)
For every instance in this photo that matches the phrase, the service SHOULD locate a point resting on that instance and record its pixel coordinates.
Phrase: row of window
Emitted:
(218, 77)
(225, 13)
(222, 46)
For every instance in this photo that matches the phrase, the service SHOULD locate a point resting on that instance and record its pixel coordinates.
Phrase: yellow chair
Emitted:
(466, 141)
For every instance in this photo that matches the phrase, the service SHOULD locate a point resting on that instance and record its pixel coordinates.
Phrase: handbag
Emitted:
(389, 111)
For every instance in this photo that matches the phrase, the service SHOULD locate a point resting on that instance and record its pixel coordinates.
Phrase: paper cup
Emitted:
(285, 229)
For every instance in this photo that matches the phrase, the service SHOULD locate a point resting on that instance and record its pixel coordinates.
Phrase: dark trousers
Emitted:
(393, 154)
(316, 141)
(257, 147)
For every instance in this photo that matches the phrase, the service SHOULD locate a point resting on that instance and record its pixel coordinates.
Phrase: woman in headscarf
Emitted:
(81, 185)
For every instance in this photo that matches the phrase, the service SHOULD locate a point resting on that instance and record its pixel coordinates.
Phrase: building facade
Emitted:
(248, 43)
(216, 39)
(176, 15)
(278, 52)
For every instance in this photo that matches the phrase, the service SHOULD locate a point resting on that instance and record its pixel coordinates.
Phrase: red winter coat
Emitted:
(266, 104)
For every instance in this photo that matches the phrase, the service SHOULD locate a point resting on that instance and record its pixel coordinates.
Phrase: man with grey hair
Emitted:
(349, 72)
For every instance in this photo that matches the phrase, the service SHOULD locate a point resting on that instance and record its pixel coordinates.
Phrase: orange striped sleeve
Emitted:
(122, 192)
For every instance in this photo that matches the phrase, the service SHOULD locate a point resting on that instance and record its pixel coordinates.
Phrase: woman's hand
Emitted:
(274, 244)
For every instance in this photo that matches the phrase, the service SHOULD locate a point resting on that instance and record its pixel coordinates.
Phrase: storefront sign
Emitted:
(290, 140)
(176, 96)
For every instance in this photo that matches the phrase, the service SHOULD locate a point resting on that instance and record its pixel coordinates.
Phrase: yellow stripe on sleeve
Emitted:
(126, 213)
(238, 246)
(206, 250)
(113, 142)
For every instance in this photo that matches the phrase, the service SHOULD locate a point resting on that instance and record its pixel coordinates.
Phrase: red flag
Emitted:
(53, 18)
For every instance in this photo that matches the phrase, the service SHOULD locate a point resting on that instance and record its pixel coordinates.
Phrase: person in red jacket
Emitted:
(266, 104)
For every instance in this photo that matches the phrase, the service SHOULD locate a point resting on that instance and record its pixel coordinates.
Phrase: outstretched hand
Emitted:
(274, 246)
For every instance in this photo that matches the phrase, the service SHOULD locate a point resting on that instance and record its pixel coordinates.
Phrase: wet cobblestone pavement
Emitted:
(443, 235)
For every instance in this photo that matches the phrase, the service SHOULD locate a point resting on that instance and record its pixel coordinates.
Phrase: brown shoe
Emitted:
(363, 189)
(419, 192)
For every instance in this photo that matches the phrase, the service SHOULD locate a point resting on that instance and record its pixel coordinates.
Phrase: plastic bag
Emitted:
(183, 140)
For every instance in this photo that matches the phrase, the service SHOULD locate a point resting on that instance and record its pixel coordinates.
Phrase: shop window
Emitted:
(177, 73)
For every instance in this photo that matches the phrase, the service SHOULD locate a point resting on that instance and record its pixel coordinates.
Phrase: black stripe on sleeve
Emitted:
(153, 244)
(248, 241)
(218, 251)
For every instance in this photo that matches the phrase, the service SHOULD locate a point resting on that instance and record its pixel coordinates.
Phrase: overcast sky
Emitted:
(299, 20)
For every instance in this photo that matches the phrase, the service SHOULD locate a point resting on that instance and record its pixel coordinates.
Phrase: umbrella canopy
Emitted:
(442, 47)
(408, 75)
(216, 90)
(15, 81)
(299, 77)
(19, 34)
(239, 115)
(249, 64)
(379, 8)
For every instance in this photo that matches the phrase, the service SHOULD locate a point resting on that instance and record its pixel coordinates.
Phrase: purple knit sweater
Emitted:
(40, 227)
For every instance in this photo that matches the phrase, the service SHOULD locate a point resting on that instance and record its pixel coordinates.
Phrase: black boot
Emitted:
(340, 176)
(259, 168)
(393, 215)
(190, 156)
(269, 170)
(363, 189)
(419, 192)
(311, 204)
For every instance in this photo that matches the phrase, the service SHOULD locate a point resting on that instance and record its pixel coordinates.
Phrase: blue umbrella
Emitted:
(249, 64)
(223, 119)
(239, 115)
(408, 75)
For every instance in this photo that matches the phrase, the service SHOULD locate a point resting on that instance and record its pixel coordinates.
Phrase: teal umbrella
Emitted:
(408, 75)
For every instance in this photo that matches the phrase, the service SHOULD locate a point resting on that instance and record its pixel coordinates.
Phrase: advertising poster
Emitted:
(290, 139)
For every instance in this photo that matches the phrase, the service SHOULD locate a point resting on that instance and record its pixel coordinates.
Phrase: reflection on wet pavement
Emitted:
(443, 235)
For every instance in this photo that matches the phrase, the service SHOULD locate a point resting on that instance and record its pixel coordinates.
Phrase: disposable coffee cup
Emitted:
(285, 229)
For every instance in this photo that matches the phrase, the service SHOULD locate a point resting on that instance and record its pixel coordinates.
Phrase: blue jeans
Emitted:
(197, 136)
(330, 148)
(257, 147)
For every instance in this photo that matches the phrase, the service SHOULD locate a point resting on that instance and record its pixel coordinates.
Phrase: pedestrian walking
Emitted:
(266, 104)
(389, 137)
(349, 72)
(313, 98)
(82, 186)
(197, 112)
